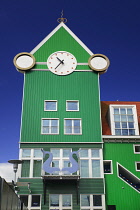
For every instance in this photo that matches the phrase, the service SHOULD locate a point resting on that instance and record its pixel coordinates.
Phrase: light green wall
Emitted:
(126, 198)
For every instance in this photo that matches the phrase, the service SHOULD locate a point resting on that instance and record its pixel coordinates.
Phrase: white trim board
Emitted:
(69, 31)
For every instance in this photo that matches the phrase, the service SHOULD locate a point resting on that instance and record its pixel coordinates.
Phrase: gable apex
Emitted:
(69, 31)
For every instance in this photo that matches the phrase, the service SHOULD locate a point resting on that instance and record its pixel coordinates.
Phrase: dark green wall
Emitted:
(40, 86)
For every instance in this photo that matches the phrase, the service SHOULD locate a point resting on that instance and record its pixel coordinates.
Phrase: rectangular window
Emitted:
(72, 105)
(72, 126)
(124, 120)
(50, 105)
(91, 202)
(32, 162)
(107, 166)
(60, 201)
(137, 166)
(91, 163)
(31, 201)
(50, 126)
(137, 148)
(61, 160)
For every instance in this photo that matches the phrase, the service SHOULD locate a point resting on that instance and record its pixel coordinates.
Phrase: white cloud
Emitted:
(6, 171)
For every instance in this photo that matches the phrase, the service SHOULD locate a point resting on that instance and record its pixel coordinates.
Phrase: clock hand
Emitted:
(61, 62)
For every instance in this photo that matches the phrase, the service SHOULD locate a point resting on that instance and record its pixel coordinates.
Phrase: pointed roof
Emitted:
(69, 31)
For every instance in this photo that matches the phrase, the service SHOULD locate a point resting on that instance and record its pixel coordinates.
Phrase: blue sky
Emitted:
(108, 27)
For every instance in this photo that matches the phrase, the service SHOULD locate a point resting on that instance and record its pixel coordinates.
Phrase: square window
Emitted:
(50, 105)
(72, 105)
(72, 126)
(137, 149)
(123, 120)
(50, 126)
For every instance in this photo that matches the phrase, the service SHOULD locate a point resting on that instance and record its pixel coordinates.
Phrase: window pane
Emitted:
(66, 200)
(55, 163)
(130, 118)
(26, 152)
(45, 122)
(37, 168)
(137, 148)
(131, 132)
(124, 125)
(123, 118)
(97, 200)
(45, 130)
(95, 152)
(84, 168)
(54, 129)
(117, 125)
(35, 200)
(116, 111)
(50, 105)
(66, 152)
(38, 153)
(54, 200)
(117, 118)
(54, 122)
(131, 125)
(85, 200)
(138, 166)
(55, 152)
(76, 126)
(129, 111)
(66, 164)
(84, 153)
(107, 167)
(122, 111)
(24, 199)
(72, 105)
(118, 132)
(124, 132)
(96, 168)
(68, 126)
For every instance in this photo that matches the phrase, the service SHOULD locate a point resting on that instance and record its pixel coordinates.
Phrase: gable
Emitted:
(61, 39)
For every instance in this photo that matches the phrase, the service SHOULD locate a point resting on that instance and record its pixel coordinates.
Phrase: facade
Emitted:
(68, 163)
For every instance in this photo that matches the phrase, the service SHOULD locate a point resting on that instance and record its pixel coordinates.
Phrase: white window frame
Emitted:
(134, 145)
(61, 158)
(31, 159)
(61, 207)
(72, 101)
(136, 165)
(73, 126)
(49, 126)
(90, 158)
(91, 207)
(50, 109)
(30, 201)
(110, 166)
(111, 112)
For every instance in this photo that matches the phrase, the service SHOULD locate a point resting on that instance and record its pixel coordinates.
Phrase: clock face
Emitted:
(98, 62)
(24, 61)
(62, 63)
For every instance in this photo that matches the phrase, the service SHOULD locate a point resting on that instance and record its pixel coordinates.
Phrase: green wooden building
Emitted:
(61, 140)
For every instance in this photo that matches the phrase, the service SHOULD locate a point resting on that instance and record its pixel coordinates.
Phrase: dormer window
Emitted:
(123, 120)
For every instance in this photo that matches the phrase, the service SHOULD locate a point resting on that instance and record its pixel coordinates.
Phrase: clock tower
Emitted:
(60, 142)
